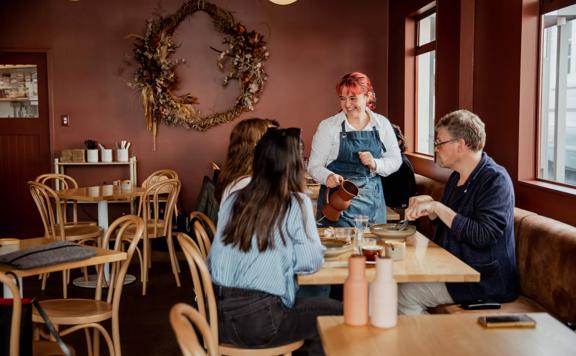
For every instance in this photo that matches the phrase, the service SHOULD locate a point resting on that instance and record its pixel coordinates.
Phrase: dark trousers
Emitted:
(249, 318)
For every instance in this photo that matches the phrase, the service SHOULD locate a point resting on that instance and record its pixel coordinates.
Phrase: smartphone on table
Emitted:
(507, 321)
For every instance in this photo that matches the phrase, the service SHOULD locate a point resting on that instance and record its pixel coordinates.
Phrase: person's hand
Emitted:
(418, 206)
(367, 159)
(419, 199)
(334, 180)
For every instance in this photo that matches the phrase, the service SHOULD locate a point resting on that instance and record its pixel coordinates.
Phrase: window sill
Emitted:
(549, 187)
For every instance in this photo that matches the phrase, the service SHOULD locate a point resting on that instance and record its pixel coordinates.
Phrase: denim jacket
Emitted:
(482, 233)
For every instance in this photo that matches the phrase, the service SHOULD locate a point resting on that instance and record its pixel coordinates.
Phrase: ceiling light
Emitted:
(282, 2)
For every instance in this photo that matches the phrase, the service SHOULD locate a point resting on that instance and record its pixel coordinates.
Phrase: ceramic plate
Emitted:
(388, 231)
(335, 247)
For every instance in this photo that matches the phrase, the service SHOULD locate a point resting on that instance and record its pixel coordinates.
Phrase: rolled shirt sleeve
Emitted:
(308, 251)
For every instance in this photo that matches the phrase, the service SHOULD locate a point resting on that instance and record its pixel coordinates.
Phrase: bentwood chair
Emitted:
(205, 220)
(93, 312)
(39, 347)
(202, 226)
(186, 322)
(51, 207)
(158, 222)
(57, 182)
(206, 300)
(155, 177)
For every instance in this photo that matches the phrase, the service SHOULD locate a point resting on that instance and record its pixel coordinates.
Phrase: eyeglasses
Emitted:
(438, 144)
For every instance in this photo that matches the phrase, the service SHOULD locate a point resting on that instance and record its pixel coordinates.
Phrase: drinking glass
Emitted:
(361, 223)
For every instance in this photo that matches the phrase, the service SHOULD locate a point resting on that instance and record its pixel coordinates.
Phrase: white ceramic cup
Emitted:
(106, 155)
(107, 189)
(122, 155)
(126, 184)
(92, 155)
(9, 245)
(396, 250)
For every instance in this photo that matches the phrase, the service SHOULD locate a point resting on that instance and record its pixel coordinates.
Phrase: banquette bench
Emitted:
(546, 260)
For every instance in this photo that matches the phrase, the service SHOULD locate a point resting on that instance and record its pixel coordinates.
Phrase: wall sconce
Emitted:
(283, 2)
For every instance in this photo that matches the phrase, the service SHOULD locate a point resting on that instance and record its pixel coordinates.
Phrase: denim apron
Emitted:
(370, 199)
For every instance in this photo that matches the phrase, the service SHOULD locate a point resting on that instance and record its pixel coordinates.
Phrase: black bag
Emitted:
(6, 307)
(25, 326)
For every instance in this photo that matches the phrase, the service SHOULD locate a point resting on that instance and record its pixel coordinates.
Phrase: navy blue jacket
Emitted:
(482, 233)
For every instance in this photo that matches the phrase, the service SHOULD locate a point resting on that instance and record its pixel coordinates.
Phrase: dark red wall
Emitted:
(312, 44)
(497, 59)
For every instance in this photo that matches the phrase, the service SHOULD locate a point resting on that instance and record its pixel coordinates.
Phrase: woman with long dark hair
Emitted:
(266, 235)
(237, 169)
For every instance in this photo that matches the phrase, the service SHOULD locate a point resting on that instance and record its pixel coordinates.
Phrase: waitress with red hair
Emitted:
(358, 145)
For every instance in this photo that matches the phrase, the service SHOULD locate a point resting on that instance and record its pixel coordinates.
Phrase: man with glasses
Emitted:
(474, 220)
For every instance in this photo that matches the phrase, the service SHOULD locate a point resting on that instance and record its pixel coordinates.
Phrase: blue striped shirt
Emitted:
(274, 270)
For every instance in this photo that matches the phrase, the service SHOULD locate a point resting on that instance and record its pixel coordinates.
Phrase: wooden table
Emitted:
(446, 335)
(424, 262)
(102, 256)
(101, 194)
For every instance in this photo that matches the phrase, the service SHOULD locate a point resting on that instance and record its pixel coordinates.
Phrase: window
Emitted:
(557, 129)
(18, 91)
(425, 73)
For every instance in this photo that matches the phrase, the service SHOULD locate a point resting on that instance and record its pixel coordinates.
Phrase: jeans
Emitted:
(255, 319)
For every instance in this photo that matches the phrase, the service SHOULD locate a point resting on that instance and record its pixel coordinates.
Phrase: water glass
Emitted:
(361, 223)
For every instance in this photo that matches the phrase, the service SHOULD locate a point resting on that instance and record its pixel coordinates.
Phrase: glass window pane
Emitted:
(425, 101)
(557, 155)
(427, 29)
(18, 91)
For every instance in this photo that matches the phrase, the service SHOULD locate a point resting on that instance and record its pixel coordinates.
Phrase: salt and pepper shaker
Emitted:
(383, 295)
(356, 292)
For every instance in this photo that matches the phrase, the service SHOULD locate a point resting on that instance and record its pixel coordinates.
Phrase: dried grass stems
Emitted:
(242, 60)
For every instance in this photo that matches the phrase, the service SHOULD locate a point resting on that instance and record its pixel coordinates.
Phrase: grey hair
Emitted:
(465, 125)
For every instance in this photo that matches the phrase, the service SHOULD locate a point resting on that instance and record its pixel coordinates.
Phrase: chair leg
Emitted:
(44, 278)
(88, 342)
(64, 284)
(145, 265)
(173, 260)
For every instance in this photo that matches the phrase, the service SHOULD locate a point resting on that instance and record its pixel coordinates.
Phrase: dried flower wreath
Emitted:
(155, 77)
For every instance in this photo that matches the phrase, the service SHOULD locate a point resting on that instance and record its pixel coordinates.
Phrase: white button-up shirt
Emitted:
(326, 145)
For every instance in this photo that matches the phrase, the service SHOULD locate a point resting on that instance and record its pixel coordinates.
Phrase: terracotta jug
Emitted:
(339, 200)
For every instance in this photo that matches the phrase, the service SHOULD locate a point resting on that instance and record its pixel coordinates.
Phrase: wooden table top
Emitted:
(100, 193)
(424, 262)
(102, 256)
(445, 334)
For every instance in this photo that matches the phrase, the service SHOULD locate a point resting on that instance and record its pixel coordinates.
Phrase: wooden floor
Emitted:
(144, 324)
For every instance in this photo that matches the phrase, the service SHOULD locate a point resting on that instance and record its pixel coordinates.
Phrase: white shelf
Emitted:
(114, 163)
(59, 167)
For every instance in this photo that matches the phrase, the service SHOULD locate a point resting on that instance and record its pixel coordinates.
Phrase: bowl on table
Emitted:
(390, 231)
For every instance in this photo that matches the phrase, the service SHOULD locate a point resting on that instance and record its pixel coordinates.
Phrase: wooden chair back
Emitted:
(156, 177)
(202, 238)
(50, 208)
(159, 175)
(185, 320)
(201, 280)
(206, 222)
(160, 217)
(16, 314)
(59, 181)
(128, 229)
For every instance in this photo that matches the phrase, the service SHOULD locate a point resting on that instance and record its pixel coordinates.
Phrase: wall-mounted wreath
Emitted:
(243, 60)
